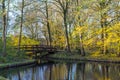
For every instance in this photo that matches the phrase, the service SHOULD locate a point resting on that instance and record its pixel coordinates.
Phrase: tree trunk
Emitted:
(8, 8)
(4, 28)
(118, 49)
(66, 31)
(82, 52)
(64, 9)
(103, 25)
(81, 46)
(102, 35)
(36, 32)
(48, 25)
(21, 25)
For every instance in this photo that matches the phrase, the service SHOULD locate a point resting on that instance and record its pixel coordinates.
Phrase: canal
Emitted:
(65, 71)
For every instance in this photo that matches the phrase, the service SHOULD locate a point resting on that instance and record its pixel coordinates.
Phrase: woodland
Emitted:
(91, 27)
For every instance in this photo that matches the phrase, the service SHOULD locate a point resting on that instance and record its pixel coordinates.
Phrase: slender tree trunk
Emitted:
(19, 76)
(102, 34)
(36, 32)
(21, 25)
(103, 21)
(70, 36)
(4, 28)
(82, 51)
(83, 71)
(48, 24)
(64, 8)
(47, 41)
(81, 46)
(118, 49)
(8, 8)
(50, 77)
(66, 31)
(118, 19)
(106, 72)
(32, 31)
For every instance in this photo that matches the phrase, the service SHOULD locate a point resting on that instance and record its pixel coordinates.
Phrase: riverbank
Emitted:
(17, 64)
(63, 57)
(2, 78)
(76, 57)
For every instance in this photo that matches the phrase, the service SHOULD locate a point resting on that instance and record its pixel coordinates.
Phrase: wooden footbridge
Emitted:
(38, 51)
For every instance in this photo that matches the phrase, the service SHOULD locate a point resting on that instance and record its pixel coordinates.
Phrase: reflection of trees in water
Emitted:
(19, 77)
(63, 72)
(114, 72)
(80, 74)
(25, 74)
(118, 70)
(59, 72)
(75, 71)
(50, 68)
(68, 71)
(99, 71)
(93, 71)
(105, 72)
(110, 71)
(81, 71)
(34, 75)
(96, 71)
(71, 71)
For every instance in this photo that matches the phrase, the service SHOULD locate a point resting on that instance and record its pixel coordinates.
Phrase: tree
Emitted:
(4, 27)
(80, 20)
(63, 5)
(21, 25)
(103, 4)
(48, 24)
(8, 9)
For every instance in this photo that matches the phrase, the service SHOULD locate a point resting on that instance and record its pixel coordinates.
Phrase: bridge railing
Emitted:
(38, 48)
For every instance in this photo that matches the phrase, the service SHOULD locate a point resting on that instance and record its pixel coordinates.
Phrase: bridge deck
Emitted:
(38, 49)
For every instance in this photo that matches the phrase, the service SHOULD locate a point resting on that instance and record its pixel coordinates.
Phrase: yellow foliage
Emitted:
(58, 36)
(78, 30)
(94, 40)
(113, 34)
(24, 41)
(95, 54)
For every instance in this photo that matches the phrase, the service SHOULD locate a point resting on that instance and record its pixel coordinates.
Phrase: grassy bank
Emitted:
(16, 64)
(13, 57)
(11, 53)
(78, 57)
(2, 78)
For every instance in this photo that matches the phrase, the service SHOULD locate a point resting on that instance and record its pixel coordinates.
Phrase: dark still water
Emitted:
(65, 71)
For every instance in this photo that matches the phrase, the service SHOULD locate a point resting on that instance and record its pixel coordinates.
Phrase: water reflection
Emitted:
(66, 71)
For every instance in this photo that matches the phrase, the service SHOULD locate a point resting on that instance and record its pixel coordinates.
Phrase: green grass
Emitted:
(2, 78)
(15, 63)
(12, 57)
(65, 55)
(11, 53)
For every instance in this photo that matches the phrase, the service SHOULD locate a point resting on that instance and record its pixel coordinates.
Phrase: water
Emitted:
(65, 71)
